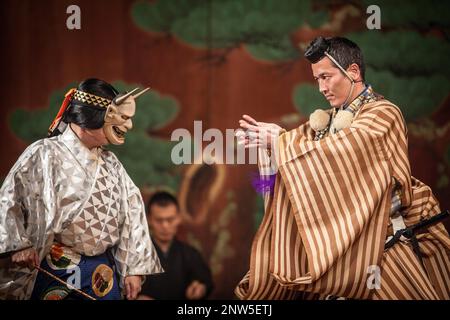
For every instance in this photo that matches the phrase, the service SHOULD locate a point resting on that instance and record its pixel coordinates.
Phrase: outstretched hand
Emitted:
(258, 134)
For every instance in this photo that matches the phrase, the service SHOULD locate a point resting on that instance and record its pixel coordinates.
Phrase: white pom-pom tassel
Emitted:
(343, 119)
(319, 119)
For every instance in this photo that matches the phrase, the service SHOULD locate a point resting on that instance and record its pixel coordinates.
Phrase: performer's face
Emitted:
(333, 84)
(118, 121)
(163, 222)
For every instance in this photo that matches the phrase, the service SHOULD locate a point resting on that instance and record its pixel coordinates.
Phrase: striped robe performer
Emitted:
(326, 223)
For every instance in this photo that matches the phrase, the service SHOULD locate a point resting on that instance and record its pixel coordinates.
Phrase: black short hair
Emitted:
(85, 115)
(162, 199)
(343, 50)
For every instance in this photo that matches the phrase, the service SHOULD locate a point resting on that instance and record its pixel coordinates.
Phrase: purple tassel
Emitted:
(264, 184)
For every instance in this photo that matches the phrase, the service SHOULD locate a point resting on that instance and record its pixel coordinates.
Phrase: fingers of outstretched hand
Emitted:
(251, 120)
(248, 126)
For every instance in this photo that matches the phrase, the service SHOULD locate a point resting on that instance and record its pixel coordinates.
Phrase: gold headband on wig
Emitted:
(92, 100)
(97, 101)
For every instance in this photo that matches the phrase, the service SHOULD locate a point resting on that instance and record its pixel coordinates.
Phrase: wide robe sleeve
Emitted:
(25, 218)
(135, 253)
(18, 197)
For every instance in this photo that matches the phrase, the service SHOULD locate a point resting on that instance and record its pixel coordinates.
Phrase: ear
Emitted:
(354, 72)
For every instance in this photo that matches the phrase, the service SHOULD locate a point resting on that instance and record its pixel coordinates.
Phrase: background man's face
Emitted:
(333, 84)
(163, 222)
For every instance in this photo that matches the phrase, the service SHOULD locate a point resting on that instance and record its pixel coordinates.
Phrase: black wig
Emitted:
(85, 115)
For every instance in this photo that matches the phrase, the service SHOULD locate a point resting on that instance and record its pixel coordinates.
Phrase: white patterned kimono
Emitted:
(59, 190)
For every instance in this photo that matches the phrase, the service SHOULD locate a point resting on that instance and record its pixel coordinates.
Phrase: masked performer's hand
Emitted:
(26, 258)
(258, 134)
(132, 287)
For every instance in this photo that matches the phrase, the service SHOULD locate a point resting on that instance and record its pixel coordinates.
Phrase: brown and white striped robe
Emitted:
(325, 226)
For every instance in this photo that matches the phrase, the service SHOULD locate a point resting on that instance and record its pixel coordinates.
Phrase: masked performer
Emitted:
(344, 217)
(69, 207)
